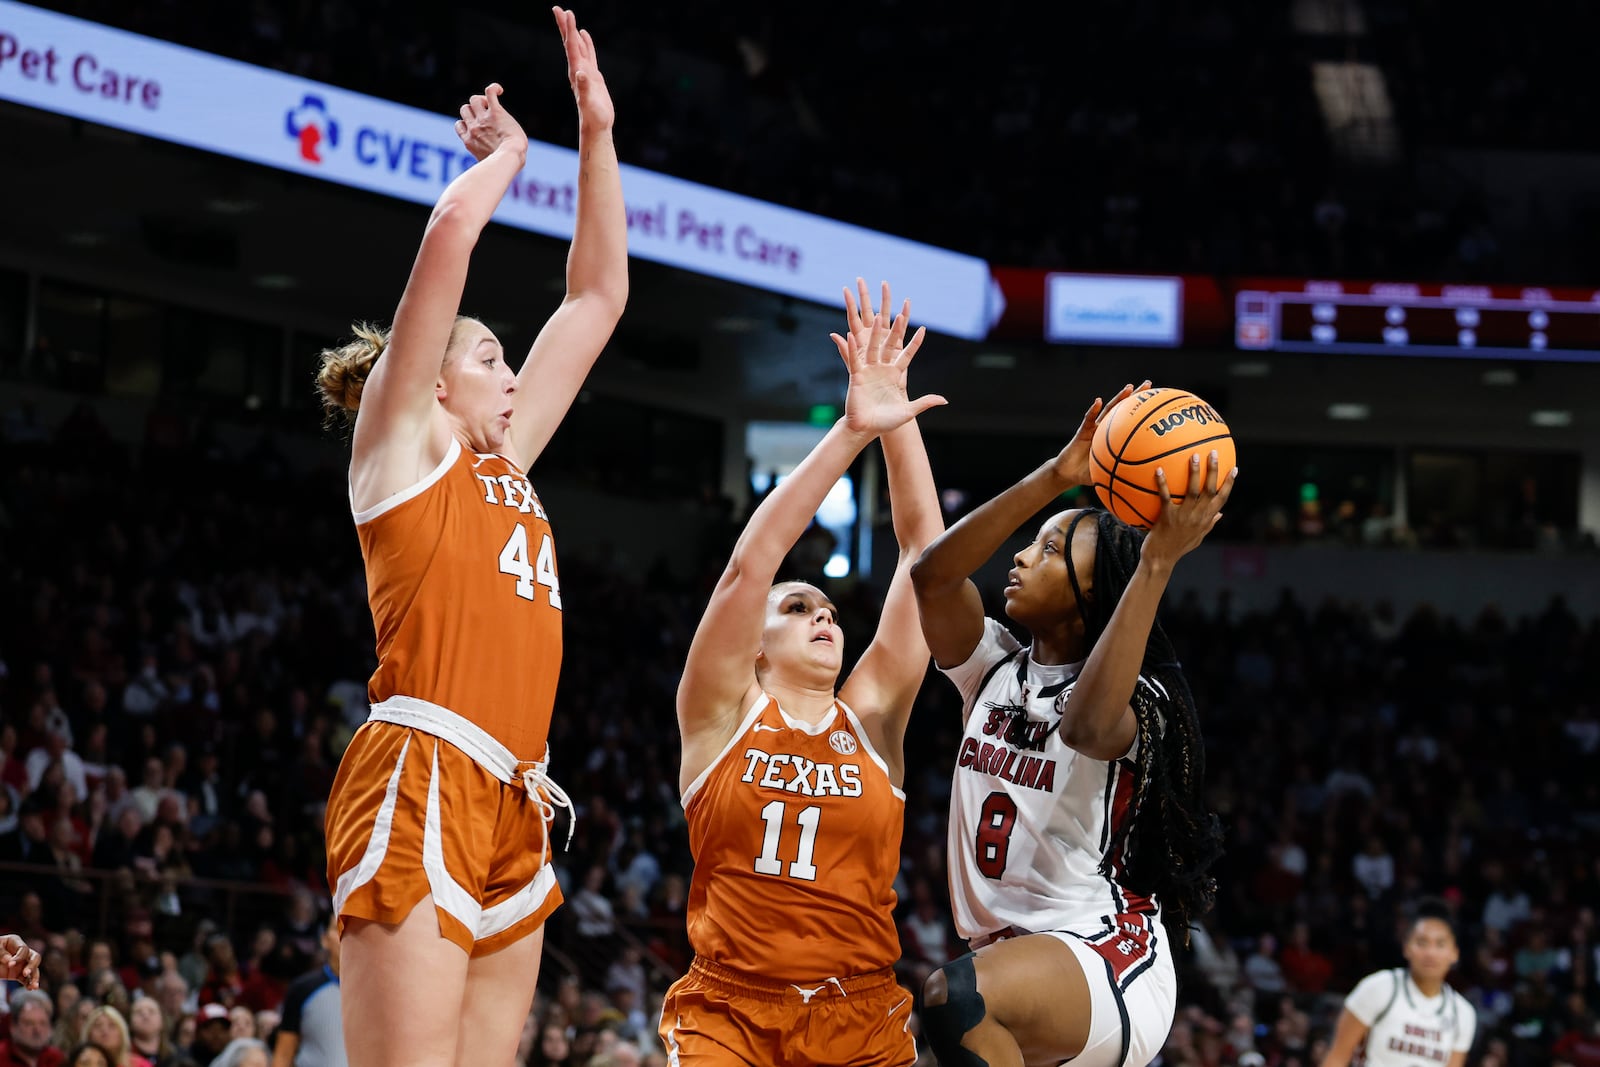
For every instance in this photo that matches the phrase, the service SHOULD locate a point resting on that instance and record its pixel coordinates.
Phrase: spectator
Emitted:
(29, 1042)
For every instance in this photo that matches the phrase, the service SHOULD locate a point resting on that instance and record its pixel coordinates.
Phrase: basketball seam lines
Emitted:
(1180, 448)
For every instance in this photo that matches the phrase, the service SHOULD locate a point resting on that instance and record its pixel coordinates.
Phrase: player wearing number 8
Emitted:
(1077, 825)
(791, 788)
(439, 819)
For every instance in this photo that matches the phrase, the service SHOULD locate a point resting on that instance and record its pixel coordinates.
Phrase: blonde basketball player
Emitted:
(1077, 825)
(1409, 1016)
(792, 786)
(438, 822)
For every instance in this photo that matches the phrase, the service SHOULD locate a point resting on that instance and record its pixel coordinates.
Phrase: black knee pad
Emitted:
(946, 1024)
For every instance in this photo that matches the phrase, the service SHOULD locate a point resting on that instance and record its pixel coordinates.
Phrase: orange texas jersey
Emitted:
(461, 577)
(795, 832)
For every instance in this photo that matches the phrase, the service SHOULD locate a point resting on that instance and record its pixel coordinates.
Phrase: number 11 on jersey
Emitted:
(802, 867)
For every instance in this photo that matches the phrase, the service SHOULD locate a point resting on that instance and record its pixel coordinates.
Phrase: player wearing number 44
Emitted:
(1077, 823)
(439, 819)
(791, 787)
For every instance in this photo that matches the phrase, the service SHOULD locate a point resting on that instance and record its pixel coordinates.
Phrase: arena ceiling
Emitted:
(93, 205)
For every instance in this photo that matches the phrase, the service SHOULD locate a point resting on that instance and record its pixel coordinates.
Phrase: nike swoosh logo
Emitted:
(763, 726)
(896, 1008)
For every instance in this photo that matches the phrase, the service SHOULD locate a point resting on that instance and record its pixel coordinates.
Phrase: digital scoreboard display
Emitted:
(1412, 319)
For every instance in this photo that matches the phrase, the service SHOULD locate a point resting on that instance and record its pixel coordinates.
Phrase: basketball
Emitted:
(1150, 430)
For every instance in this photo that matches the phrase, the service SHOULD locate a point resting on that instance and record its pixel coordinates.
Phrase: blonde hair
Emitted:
(344, 371)
(119, 1055)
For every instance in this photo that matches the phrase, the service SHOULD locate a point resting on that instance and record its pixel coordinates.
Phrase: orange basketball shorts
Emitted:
(410, 815)
(718, 1017)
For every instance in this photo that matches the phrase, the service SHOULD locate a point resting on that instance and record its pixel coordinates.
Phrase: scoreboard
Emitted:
(1395, 318)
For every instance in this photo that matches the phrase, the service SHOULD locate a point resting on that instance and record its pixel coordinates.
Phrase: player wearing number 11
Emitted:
(791, 788)
(439, 819)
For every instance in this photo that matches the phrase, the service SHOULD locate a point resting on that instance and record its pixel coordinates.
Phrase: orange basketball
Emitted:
(1154, 428)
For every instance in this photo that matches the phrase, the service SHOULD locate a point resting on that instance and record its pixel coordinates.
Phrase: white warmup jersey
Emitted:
(1030, 818)
(1407, 1028)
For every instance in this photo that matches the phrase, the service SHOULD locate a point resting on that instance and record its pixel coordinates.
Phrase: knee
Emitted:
(951, 1008)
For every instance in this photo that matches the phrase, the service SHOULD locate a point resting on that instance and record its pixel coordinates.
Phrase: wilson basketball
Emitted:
(1150, 430)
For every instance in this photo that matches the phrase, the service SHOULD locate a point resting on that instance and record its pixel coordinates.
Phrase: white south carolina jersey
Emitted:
(1408, 1029)
(1030, 818)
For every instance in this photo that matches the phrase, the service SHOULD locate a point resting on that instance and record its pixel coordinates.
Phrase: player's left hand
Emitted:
(18, 962)
(1072, 465)
(595, 110)
(877, 354)
(1183, 525)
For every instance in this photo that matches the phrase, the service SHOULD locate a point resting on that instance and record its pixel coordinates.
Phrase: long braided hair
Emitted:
(1172, 839)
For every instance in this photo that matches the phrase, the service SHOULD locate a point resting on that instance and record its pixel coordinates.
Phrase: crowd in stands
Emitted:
(1144, 137)
(183, 656)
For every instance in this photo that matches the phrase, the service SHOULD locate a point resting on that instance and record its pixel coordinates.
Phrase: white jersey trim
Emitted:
(872, 753)
(810, 729)
(393, 501)
(744, 728)
(366, 867)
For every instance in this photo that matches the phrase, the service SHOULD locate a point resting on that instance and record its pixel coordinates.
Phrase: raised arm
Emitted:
(950, 607)
(885, 681)
(1098, 720)
(597, 264)
(400, 430)
(719, 674)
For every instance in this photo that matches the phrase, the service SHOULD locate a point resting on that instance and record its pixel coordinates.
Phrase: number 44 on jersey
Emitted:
(514, 561)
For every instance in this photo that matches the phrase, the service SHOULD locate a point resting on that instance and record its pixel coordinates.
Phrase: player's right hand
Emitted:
(486, 127)
(18, 962)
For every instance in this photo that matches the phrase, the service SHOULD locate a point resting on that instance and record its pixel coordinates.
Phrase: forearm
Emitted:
(598, 260)
(1105, 687)
(473, 196)
(968, 544)
(786, 512)
(913, 497)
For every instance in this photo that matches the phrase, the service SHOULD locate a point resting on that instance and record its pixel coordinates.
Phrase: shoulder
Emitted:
(1372, 994)
(996, 644)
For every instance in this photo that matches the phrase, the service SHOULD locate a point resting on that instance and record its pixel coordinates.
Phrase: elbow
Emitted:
(926, 576)
(449, 222)
(607, 298)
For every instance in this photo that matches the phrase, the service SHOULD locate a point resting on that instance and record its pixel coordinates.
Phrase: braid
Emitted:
(1172, 839)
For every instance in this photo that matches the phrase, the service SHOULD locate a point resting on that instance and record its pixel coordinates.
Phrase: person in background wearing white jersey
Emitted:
(1409, 1016)
(1076, 819)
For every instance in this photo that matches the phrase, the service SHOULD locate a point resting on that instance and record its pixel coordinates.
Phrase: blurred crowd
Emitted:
(184, 657)
(1263, 137)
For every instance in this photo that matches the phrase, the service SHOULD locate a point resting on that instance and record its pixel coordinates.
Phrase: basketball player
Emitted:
(791, 787)
(438, 822)
(1076, 820)
(1409, 1016)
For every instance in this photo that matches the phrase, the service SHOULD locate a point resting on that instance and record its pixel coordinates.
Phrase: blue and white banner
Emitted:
(1113, 309)
(92, 72)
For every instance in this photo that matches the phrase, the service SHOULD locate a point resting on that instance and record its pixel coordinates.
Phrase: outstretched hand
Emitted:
(485, 125)
(1072, 465)
(877, 355)
(1182, 525)
(18, 962)
(595, 110)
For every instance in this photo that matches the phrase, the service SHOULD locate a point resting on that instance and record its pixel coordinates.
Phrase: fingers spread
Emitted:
(852, 314)
(916, 343)
(1194, 476)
